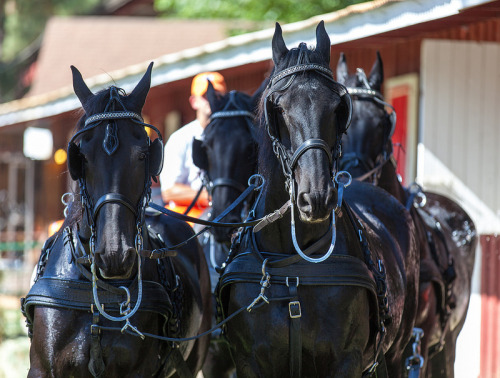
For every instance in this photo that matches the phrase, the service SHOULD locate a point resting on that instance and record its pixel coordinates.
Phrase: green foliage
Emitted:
(25, 20)
(21, 27)
(255, 10)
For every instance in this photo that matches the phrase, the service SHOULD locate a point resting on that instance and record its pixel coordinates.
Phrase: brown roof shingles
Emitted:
(97, 45)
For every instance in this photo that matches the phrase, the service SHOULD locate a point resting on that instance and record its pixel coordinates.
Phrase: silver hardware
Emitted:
(296, 282)
(67, 199)
(294, 313)
(265, 282)
(415, 360)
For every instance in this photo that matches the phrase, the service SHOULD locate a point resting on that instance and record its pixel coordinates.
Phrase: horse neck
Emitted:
(389, 181)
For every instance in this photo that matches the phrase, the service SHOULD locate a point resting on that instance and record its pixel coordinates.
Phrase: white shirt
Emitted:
(178, 167)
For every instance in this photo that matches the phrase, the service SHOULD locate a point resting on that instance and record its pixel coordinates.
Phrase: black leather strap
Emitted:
(215, 222)
(181, 368)
(224, 181)
(307, 145)
(114, 198)
(295, 313)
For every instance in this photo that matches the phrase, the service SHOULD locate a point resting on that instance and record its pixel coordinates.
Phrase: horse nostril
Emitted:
(304, 202)
(99, 261)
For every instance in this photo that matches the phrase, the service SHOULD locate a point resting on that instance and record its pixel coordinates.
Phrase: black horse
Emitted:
(227, 155)
(92, 279)
(356, 307)
(446, 235)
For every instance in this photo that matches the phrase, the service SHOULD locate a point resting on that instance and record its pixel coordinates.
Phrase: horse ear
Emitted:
(81, 90)
(342, 70)
(376, 77)
(211, 96)
(75, 161)
(138, 95)
(155, 158)
(278, 45)
(323, 41)
(200, 158)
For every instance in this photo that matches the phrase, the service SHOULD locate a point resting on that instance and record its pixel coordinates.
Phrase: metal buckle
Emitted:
(95, 330)
(296, 281)
(294, 309)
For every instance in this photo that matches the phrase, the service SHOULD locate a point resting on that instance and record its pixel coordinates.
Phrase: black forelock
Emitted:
(97, 103)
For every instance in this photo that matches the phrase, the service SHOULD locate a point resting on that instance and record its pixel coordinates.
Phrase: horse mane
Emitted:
(268, 163)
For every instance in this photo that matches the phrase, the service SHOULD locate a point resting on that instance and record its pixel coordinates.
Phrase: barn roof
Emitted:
(386, 18)
(98, 45)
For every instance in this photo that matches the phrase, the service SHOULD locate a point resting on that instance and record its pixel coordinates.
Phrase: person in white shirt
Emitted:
(180, 178)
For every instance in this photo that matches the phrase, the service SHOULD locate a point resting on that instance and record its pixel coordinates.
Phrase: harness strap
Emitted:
(225, 181)
(96, 364)
(193, 202)
(181, 368)
(273, 217)
(295, 343)
(279, 261)
(215, 222)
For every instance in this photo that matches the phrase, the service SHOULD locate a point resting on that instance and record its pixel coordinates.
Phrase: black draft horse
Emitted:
(446, 235)
(92, 278)
(227, 156)
(329, 284)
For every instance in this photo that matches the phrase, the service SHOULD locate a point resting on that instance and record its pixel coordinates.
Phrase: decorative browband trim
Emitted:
(112, 115)
(232, 113)
(364, 92)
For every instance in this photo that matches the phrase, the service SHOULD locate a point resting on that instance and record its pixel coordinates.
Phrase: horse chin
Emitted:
(308, 218)
(125, 275)
(114, 277)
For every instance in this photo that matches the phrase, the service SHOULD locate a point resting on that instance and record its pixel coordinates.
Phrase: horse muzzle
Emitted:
(316, 207)
(116, 265)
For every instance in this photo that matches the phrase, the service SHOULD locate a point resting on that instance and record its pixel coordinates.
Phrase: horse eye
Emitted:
(142, 156)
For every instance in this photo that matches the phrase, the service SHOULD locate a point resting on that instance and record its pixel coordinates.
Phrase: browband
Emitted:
(112, 115)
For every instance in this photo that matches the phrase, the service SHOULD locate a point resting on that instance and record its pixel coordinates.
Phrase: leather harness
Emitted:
(292, 271)
(76, 294)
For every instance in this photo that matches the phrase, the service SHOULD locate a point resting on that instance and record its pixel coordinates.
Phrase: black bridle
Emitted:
(109, 114)
(92, 210)
(287, 159)
(226, 112)
(353, 159)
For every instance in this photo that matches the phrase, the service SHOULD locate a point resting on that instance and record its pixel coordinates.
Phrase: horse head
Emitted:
(306, 113)
(113, 160)
(368, 144)
(228, 153)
